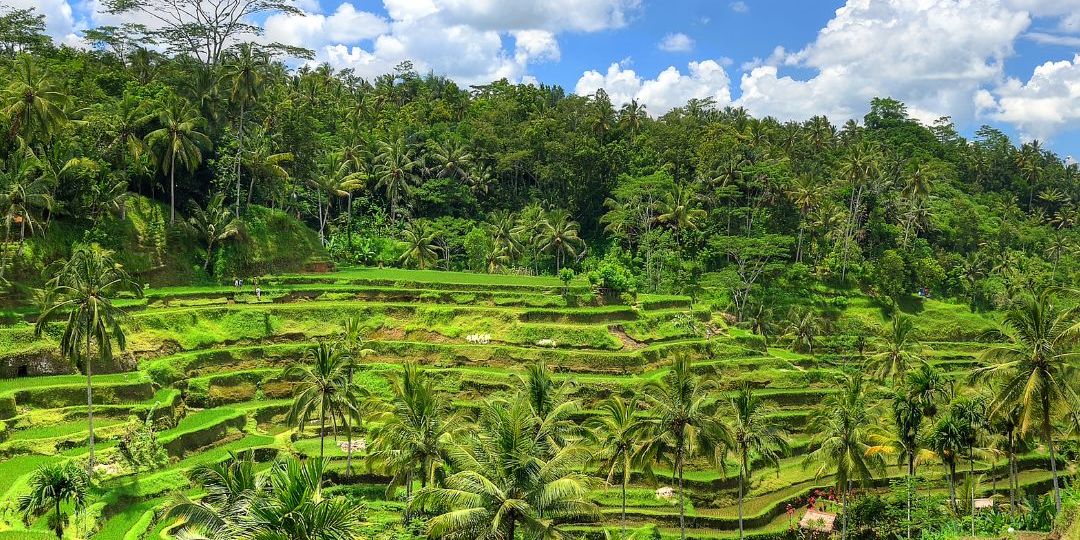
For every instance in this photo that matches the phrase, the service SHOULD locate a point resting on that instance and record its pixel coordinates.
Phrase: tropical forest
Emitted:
(248, 297)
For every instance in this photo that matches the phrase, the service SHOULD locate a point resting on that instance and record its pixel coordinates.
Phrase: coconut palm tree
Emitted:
(900, 352)
(504, 235)
(395, 171)
(82, 292)
(503, 482)
(1037, 372)
(50, 487)
(288, 502)
(262, 163)
(929, 388)
(844, 442)
(550, 406)
(419, 244)
(559, 236)
(33, 103)
(178, 139)
(754, 436)
(947, 439)
(679, 423)
(619, 431)
(452, 160)
(24, 191)
(244, 72)
(323, 390)
(214, 224)
(230, 485)
(907, 416)
(418, 425)
(678, 210)
(803, 329)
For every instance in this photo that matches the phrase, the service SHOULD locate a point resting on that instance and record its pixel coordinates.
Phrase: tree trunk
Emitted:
(322, 432)
(172, 187)
(239, 154)
(623, 520)
(1012, 485)
(952, 484)
(971, 482)
(742, 474)
(1048, 433)
(59, 524)
(89, 405)
(682, 503)
(843, 510)
(911, 484)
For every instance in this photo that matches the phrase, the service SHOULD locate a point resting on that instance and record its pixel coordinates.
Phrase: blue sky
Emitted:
(1013, 64)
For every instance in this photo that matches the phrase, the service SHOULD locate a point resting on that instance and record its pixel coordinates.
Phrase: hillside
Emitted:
(209, 361)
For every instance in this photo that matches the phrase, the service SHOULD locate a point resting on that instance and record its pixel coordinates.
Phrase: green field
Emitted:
(227, 363)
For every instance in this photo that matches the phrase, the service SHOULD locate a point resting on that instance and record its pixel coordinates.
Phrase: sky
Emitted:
(1012, 64)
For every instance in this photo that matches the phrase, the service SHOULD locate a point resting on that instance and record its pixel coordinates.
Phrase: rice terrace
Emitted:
(247, 292)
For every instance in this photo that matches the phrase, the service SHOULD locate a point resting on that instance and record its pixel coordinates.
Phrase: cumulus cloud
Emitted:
(740, 7)
(60, 21)
(671, 88)
(933, 54)
(1041, 106)
(677, 42)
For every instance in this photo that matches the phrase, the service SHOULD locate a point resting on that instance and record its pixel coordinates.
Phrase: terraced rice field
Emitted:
(209, 362)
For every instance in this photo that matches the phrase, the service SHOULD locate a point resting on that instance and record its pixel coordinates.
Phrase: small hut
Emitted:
(816, 520)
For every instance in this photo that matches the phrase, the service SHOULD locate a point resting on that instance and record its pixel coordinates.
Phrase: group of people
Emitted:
(239, 284)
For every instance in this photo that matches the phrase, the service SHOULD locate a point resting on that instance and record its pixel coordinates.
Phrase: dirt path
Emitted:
(628, 342)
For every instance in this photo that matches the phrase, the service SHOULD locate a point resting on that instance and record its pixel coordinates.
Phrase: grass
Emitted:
(215, 352)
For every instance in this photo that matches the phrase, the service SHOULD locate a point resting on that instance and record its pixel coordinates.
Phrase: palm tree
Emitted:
(214, 224)
(752, 433)
(972, 411)
(24, 189)
(504, 483)
(33, 103)
(419, 244)
(262, 163)
(504, 235)
(804, 194)
(552, 410)
(900, 349)
(1038, 370)
(559, 236)
(844, 441)
(50, 487)
(928, 387)
(395, 169)
(82, 290)
(452, 160)
(678, 211)
(230, 485)
(907, 416)
(178, 138)
(947, 439)
(678, 423)
(288, 502)
(353, 341)
(418, 425)
(323, 390)
(803, 328)
(619, 430)
(244, 71)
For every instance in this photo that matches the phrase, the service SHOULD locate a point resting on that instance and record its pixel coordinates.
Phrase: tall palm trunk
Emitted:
(843, 510)
(911, 477)
(626, 472)
(89, 404)
(322, 431)
(952, 483)
(742, 474)
(239, 154)
(682, 503)
(1012, 469)
(971, 483)
(1048, 434)
(172, 186)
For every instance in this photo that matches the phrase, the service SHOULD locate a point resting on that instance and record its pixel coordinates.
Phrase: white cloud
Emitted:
(1043, 105)
(932, 54)
(677, 42)
(1046, 38)
(60, 21)
(670, 89)
(740, 7)
(466, 40)
(535, 45)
